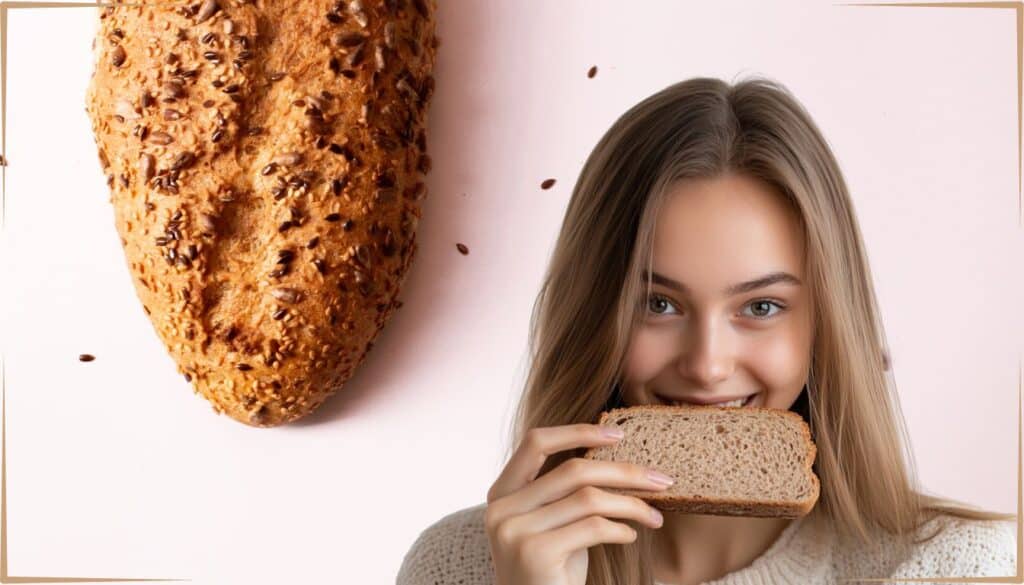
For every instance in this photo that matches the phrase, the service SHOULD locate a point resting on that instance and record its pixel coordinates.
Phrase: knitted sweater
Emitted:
(455, 551)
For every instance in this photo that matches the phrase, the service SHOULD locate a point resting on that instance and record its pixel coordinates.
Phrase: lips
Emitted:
(728, 402)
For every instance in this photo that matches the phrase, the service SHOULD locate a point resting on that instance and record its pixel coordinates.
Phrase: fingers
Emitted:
(568, 477)
(586, 501)
(560, 543)
(537, 445)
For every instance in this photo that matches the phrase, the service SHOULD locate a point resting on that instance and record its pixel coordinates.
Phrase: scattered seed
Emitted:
(244, 367)
(547, 184)
(354, 58)
(183, 160)
(356, 9)
(289, 159)
(172, 114)
(592, 72)
(320, 266)
(332, 217)
(85, 357)
(279, 314)
(313, 242)
(286, 295)
(117, 56)
(337, 185)
(285, 256)
(270, 168)
(349, 40)
(161, 138)
(173, 89)
(462, 248)
(388, 247)
(126, 110)
(363, 255)
(207, 10)
(207, 223)
(146, 166)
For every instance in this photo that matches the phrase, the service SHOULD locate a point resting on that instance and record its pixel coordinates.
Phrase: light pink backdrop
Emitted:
(116, 469)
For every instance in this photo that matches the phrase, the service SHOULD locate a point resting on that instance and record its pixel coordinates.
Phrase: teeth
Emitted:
(732, 403)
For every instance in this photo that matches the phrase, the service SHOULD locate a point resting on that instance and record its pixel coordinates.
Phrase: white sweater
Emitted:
(455, 551)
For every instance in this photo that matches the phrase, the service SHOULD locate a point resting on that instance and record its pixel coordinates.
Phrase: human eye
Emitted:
(656, 300)
(764, 308)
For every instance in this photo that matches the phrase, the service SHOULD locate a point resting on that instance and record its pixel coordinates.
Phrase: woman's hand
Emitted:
(539, 529)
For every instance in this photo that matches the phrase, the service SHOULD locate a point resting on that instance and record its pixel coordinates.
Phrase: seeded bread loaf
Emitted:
(266, 164)
(751, 461)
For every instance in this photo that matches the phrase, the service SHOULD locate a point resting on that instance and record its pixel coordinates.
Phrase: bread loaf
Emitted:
(751, 461)
(266, 162)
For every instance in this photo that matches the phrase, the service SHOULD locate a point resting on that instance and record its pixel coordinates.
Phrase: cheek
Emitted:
(647, 355)
(781, 365)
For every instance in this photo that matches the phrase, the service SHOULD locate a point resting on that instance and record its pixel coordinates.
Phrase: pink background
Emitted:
(115, 468)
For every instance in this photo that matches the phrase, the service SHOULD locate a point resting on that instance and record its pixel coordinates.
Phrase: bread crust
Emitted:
(724, 505)
(266, 164)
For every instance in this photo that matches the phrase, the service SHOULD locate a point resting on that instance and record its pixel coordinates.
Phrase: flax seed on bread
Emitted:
(750, 461)
(266, 164)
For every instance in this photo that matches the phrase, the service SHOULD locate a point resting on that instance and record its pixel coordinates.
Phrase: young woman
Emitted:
(709, 253)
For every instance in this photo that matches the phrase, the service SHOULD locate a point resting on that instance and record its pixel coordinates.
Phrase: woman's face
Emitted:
(729, 314)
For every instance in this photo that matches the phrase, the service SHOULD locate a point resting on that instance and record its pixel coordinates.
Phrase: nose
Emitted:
(708, 357)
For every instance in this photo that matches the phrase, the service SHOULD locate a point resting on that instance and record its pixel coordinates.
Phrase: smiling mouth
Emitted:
(738, 403)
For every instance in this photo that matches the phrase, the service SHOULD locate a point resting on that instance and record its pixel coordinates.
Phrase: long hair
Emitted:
(590, 301)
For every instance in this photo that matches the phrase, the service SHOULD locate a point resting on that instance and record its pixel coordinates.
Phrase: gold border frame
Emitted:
(5, 5)
(1018, 8)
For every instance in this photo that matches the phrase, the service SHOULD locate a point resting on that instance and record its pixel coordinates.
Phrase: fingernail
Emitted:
(660, 477)
(657, 517)
(612, 432)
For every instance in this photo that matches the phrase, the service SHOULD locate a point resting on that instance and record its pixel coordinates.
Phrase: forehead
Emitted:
(715, 232)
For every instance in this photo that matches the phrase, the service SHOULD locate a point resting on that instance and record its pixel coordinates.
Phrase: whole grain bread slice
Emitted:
(752, 461)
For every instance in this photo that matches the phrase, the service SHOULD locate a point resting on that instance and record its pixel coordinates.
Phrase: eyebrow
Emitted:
(742, 287)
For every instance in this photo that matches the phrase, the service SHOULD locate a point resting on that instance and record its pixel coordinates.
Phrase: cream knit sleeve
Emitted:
(966, 548)
(452, 551)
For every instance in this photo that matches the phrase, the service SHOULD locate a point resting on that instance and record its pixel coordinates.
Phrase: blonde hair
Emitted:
(590, 300)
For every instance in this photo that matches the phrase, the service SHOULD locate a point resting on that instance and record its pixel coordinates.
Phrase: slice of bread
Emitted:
(751, 461)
